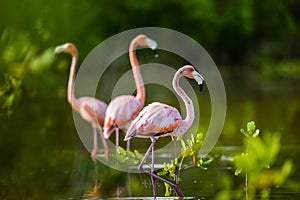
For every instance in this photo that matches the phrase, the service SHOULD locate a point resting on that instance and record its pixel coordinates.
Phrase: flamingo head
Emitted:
(191, 72)
(144, 40)
(65, 48)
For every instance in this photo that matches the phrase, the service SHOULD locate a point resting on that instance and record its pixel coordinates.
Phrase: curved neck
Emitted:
(140, 90)
(71, 94)
(187, 122)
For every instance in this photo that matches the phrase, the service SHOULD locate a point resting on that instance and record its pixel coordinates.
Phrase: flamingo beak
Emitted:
(199, 78)
(109, 131)
(62, 48)
(151, 43)
(59, 49)
(201, 87)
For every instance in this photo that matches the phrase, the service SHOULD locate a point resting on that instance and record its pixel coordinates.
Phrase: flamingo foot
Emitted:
(178, 191)
(176, 188)
(153, 186)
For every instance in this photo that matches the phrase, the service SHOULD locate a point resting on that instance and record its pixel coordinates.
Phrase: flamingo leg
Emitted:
(175, 187)
(117, 146)
(129, 171)
(95, 146)
(96, 175)
(117, 139)
(104, 143)
(152, 172)
(128, 145)
(93, 155)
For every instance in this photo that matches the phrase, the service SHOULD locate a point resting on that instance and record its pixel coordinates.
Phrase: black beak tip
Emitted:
(201, 87)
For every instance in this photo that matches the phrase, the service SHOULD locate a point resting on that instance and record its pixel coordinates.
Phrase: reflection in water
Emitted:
(94, 193)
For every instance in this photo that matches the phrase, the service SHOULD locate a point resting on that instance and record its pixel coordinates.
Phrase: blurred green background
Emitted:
(255, 45)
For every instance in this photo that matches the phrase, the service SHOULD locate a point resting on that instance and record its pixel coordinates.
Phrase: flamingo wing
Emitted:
(92, 110)
(120, 112)
(156, 119)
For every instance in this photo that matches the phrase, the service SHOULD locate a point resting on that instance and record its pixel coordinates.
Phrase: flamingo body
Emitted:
(156, 119)
(120, 112)
(92, 110)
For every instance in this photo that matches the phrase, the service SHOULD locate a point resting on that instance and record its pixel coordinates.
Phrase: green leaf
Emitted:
(183, 144)
(286, 169)
(192, 138)
(178, 138)
(199, 136)
(10, 100)
(187, 152)
(238, 171)
(121, 150)
(244, 132)
(130, 153)
(168, 190)
(251, 126)
(256, 133)
(176, 161)
(189, 142)
(162, 173)
(138, 155)
(207, 162)
(128, 157)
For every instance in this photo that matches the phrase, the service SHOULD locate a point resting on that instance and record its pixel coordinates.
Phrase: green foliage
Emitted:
(274, 68)
(250, 131)
(257, 158)
(233, 29)
(193, 145)
(189, 149)
(19, 57)
(260, 152)
(128, 157)
(9, 91)
(170, 169)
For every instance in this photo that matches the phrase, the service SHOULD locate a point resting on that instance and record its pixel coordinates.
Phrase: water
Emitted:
(42, 156)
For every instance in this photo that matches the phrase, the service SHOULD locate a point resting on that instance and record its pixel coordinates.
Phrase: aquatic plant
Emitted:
(189, 158)
(256, 160)
(189, 153)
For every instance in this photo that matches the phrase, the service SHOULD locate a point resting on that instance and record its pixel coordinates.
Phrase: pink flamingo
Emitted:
(92, 110)
(159, 120)
(123, 109)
